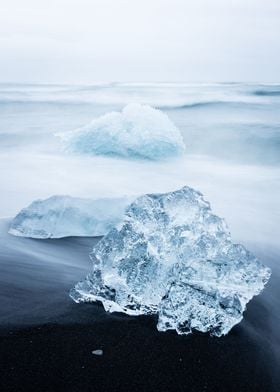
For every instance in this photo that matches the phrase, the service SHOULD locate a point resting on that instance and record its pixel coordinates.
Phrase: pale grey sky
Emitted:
(86, 41)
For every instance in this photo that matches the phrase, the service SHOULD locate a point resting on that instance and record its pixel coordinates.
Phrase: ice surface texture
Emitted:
(172, 256)
(138, 131)
(63, 216)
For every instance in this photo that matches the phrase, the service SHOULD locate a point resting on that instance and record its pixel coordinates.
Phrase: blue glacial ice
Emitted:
(172, 256)
(64, 216)
(139, 131)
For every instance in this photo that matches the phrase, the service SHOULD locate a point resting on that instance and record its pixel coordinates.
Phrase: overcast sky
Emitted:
(86, 41)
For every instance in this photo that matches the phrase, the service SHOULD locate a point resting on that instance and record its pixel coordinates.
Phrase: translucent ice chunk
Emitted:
(172, 256)
(138, 131)
(64, 216)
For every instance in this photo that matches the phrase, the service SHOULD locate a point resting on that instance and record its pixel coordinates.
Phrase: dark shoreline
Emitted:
(136, 357)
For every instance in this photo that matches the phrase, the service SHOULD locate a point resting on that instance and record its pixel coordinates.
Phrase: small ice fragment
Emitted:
(97, 352)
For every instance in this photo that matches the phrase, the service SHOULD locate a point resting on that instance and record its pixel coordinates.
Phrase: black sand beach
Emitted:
(135, 358)
(47, 340)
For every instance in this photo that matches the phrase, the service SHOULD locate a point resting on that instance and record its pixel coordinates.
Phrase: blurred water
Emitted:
(231, 121)
(232, 134)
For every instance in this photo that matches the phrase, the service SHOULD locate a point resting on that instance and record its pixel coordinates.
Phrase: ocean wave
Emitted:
(162, 96)
(44, 102)
(267, 92)
(203, 104)
(152, 102)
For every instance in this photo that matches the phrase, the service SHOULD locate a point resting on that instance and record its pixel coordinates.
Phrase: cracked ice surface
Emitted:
(172, 256)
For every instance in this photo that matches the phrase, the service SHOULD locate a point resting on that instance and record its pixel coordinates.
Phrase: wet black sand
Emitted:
(46, 340)
(135, 358)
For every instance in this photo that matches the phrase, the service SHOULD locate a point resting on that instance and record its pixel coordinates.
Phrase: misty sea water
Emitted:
(231, 132)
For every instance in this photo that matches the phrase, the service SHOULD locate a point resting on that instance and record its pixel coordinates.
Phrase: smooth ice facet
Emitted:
(172, 256)
(64, 216)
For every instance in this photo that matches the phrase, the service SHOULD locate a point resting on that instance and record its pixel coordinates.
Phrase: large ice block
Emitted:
(172, 256)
